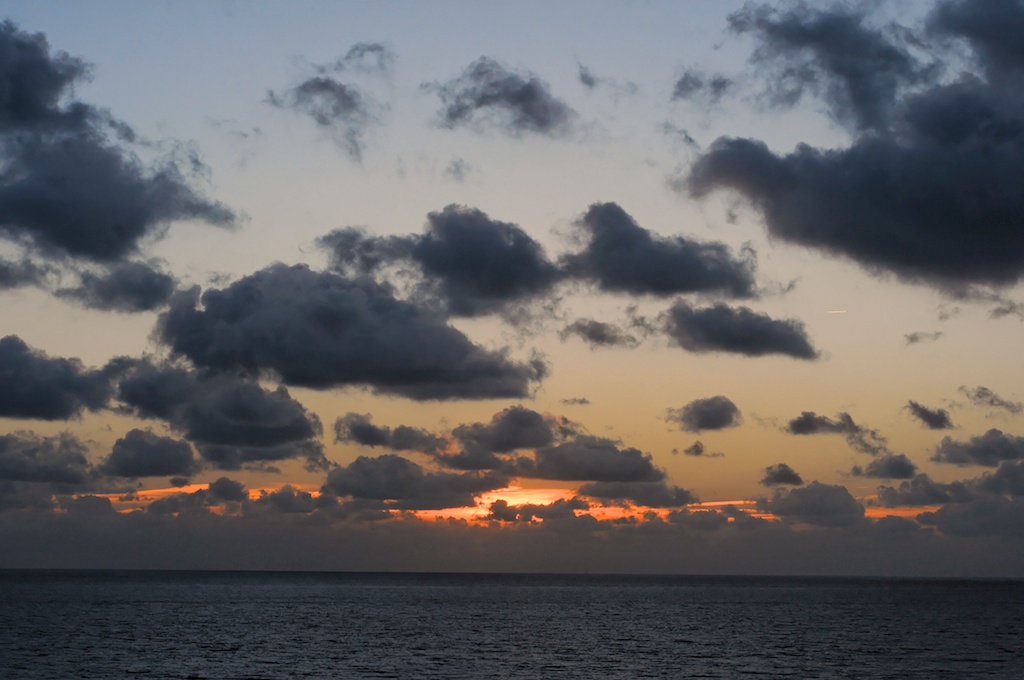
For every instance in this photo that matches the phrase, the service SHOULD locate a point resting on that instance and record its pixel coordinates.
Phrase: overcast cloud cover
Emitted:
(349, 301)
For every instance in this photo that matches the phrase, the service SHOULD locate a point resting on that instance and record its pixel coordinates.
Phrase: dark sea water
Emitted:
(65, 625)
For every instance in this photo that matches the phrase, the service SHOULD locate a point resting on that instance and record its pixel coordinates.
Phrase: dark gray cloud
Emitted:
(599, 334)
(475, 264)
(575, 401)
(353, 252)
(923, 490)
(68, 185)
(591, 458)
(23, 273)
(359, 429)
(232, 421)
(592, 81)
(289, 500)
(225, 489)
(874, 202)
(649, 494)
(481, 264)
(59, 461)
(140, 453)
(501, 511)
(920, 336)
(124, 287)
(712, 413)
(512, 429)
(402, 484)
(992, 27)
(818, 504)
(989, 450)
(986, 398)
(888, 466)
(1007, 480)
(489, 94)
(781, 474)
(587, 77)
(859, 438)
(374, 58)
(695, 85)
(985, 516)
(697, 449)
(35, 81)
(38, 386)
(621, 256)
(833, 53)
(738, 330)
(933, 419)
(320, 330)
(343, 109)
(458, 170)
(263, 457)
(515, 427)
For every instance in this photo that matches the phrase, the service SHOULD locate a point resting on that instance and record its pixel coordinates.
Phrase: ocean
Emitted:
(63, 625)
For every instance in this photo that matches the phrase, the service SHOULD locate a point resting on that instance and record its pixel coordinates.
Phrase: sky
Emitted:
(654, 287)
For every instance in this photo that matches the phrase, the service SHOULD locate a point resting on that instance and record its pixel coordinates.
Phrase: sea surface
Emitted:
(66, 625)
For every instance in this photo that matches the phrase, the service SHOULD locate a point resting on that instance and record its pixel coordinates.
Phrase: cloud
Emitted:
(989, 450)
(65, 187)
(40, 387)
(620, 256)
(501, 511)
(60, 461)
(697, 449)
(140, 453)
(874, 201)
(817, 504)
(23, 273)
(458, 170)
(598, 334)
(489, 94)
(713, 413)
(575, 401)
(289, 500)
(402, 484)
(233, 422)
(648, 494)
(476, 265)
(591, 458)
(358, 429)
(923, 490)
(343, 109)
(321, 330)
(481, 264)
(888, 466)
(695, 85)
(1007, 480)
(124, 287)
(515, 427)
(776, 475)
(983, 396)
(739, 330)
(592, 81)
(920, 336)
(992, 28)
(859, 438)
(986, 516)
(228, 490)
(933, 419)
(834, 54)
